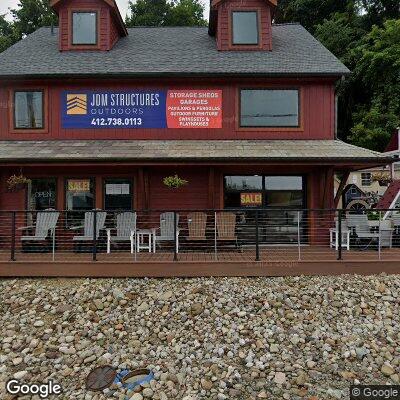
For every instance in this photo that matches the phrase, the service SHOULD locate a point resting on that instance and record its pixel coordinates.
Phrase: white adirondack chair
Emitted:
(88, 226)
(125, 230)
(166, 231)
(46, 222)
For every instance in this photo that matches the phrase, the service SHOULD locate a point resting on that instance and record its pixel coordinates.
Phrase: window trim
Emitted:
(297, 127)
(45, 113)
(258, 28)
(76, 46)
(127, 178)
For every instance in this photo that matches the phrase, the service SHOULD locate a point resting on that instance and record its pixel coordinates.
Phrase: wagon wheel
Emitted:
(357, 206)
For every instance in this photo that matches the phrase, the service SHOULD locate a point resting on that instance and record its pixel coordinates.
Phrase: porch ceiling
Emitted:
(334, 152)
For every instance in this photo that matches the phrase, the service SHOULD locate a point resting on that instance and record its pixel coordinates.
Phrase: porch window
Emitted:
(245, 28)
(366, 179)
(243, 191)
(84, 28)
(275, 191)
(284, 191)
(80, 194)
(269, 108)
(42, 194)
(118, 194)
(28, 110)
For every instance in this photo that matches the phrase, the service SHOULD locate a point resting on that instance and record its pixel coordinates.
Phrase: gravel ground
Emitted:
(222, 338)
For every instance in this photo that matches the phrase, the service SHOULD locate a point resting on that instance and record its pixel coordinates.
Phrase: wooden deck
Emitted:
(274, 261)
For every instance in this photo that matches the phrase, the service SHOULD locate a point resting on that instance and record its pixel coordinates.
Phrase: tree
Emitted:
(377, 70)
(31, 15)
(309, 13)
(6, 34)
(165, 13)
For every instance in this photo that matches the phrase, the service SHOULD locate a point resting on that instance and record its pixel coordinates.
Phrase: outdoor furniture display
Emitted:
(167, 230)
(226, 227)
(362, 231)
(334, 235)
(141, 242)
(46, 222)
(88, 233)
(197, 222)
(125, 230)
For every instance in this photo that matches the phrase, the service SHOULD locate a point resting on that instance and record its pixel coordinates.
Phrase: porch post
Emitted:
(175, 238)
(94, 254)
(339, 234)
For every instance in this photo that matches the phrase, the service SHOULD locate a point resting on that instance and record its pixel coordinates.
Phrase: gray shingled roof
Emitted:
(184, 150)
(169, 51)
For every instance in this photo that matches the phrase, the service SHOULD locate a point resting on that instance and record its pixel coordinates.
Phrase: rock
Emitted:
(262, 395)
(279, 378)
(136, 396)
(274, 348)
(166, 295)
(387, 370)
(98, 304)
(196, 309)
(143, 307)
(118, 294)
(17, 361)
(335, 393)
(206, 384)
(147, 392)
(38, 324)
(20, 375)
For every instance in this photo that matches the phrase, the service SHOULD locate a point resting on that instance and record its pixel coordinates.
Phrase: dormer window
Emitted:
(84, 28)
(245, 28)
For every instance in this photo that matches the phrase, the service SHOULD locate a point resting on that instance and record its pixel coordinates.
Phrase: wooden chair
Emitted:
(125, 230)
(226, 227)
(197, 222)
(165, 233)
(88, 227)
(46, 223)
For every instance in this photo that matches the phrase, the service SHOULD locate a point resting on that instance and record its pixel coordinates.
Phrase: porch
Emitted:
(254, 242)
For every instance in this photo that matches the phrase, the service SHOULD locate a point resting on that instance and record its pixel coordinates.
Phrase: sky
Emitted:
(122, 4)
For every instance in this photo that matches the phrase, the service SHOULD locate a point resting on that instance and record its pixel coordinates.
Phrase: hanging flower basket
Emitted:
(383, 178)
(174, 182)
(16, 183)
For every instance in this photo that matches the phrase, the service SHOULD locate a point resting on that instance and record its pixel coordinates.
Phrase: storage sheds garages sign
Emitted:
(142, 109)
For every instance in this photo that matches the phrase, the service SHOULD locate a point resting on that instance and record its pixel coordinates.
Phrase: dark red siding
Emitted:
(316, 110)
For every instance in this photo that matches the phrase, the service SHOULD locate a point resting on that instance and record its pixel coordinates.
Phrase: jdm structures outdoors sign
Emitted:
(190, 109)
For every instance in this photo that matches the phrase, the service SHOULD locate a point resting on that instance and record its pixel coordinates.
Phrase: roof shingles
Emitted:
(168, 51)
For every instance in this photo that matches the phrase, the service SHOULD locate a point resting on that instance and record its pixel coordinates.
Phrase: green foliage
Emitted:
(165, 13)
(174, 181)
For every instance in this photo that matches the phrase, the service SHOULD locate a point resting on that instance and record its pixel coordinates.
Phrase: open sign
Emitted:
(250, 199)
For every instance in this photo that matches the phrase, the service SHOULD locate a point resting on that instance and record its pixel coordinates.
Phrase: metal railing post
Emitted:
(339, 234)
(94, 252)
(13, 230)
(175, 237)
(298, 235)
(379, 235)
(215, 236)
(257, 239)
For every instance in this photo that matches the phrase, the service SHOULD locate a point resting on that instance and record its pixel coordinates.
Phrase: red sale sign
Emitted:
(194, 109)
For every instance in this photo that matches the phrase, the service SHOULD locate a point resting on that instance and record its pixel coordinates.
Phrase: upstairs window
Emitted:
(269, 108)
(366, 179)
(84, 28)
(28, 110)
(245, 28)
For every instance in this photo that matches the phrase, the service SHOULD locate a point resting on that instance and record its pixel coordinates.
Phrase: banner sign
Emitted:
(251, 199)
(142, 109)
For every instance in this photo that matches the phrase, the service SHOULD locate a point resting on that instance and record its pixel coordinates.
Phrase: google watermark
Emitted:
(375, 392)
(43, 390)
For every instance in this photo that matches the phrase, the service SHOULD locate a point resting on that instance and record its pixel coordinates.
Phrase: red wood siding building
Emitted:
(276, 116)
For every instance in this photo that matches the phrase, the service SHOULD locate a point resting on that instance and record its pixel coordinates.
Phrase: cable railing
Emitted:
(212, 235)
